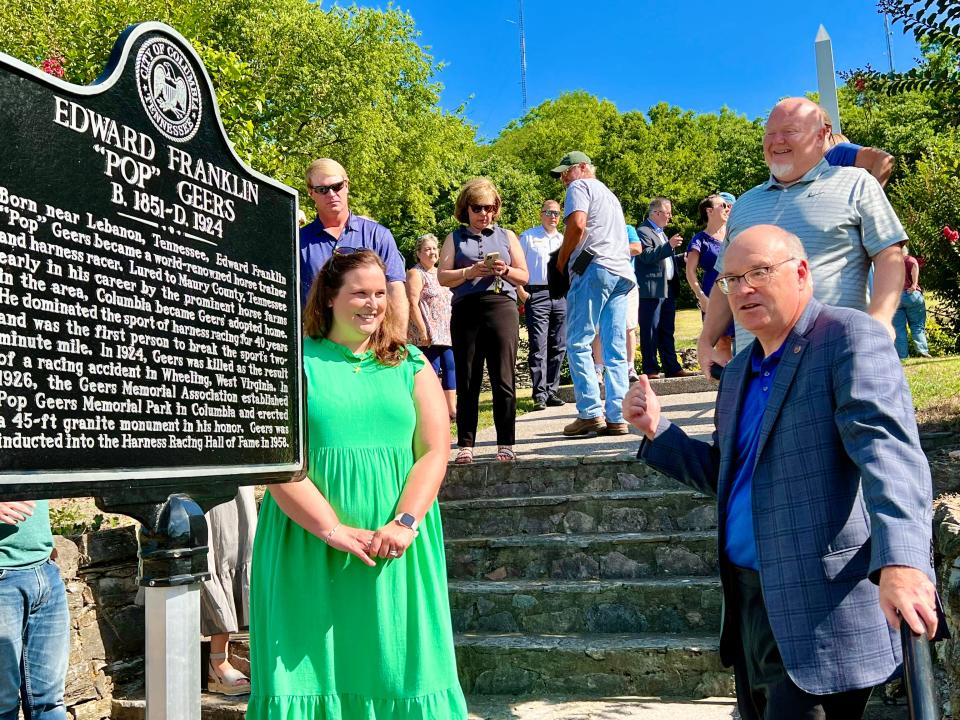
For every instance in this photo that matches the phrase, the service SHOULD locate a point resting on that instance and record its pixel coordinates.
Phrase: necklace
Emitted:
(350, 357)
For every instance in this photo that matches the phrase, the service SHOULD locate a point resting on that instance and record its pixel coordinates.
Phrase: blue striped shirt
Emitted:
(843, 219)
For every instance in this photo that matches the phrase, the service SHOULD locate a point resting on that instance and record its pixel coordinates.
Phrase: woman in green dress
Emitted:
(349, 612)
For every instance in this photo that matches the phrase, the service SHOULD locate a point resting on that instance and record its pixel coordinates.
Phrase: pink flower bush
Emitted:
(53, 65)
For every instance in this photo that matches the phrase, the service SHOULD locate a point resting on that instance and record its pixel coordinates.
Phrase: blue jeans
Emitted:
(34, 642)
(597, 301)
(912, 311)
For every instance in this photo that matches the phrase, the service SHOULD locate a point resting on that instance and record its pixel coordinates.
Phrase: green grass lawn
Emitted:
(935, 386)
(688, 328)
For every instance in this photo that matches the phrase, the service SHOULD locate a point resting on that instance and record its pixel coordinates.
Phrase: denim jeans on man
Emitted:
(912, 311)
(597, 302)
(34, 642)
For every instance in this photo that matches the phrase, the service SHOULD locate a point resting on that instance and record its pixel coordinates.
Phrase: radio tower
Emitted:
(887, 33)
(523, 61)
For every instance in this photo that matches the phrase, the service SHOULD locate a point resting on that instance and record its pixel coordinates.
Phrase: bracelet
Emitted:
(329, 535)
(463, 273)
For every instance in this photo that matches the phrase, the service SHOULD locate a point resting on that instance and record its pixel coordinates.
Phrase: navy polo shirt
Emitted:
(316, 247)
(740, 544)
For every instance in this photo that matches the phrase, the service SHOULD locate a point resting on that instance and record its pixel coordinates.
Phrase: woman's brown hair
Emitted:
(478, 191)
(386, 342)
(708, 202)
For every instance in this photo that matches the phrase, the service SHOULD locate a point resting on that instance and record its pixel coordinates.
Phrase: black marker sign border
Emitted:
(157, 480)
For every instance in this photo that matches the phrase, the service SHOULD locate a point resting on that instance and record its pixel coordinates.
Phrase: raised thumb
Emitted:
(645, 384)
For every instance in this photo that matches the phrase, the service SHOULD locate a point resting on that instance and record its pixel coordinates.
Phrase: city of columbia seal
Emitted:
(168, 89)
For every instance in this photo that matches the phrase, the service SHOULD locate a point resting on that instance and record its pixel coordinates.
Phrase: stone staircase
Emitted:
(570, 577)
(582, 577)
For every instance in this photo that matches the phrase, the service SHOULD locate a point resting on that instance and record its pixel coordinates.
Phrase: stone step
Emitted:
(624, 511)
(561, 476)
(607, 556)
(661, 386)
(680, 605)
(597, 665)
(546, 707)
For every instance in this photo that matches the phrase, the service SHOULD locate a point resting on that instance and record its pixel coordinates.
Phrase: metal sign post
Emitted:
(170, 573)
(150, 345)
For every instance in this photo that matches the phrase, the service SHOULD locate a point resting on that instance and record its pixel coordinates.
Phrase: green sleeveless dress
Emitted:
(331, 638)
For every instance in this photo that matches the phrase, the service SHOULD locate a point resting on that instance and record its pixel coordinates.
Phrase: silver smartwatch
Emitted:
(407, 520)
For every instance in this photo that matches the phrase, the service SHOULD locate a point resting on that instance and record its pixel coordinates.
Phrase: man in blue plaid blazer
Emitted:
(824, 512)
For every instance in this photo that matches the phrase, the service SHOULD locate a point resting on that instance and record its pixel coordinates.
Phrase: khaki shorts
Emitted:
(633, 309)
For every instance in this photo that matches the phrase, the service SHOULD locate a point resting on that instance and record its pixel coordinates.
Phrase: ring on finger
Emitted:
(393, 553)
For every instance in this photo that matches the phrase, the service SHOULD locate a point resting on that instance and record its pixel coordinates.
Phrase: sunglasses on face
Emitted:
(550, 213)
(324, 189)
(483, 208)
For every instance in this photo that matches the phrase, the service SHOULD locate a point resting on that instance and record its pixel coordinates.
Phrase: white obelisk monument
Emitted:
(827, 77)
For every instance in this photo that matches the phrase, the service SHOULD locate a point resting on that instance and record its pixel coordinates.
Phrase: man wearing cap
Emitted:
(546, 316)
(658, 279)
(336, 229)
(840, 214)
(595, 253)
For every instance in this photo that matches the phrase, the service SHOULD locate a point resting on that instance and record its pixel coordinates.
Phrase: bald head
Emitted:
(777, 241)
(772, 285)
(794, 137)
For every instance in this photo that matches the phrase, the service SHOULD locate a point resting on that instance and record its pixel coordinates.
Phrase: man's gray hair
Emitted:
(658, 203)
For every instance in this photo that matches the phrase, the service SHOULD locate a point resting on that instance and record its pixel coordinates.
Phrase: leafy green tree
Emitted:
(916, 116)
(536, 142)
(928, 201)
(294, 82)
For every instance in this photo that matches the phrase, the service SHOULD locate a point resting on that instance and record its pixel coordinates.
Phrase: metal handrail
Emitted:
(918, 675)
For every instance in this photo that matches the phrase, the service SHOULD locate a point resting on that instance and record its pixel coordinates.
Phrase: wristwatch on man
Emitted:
(408, 521)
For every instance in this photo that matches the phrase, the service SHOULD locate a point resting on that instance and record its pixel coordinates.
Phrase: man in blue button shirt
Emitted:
(336, 229)
(824, 495)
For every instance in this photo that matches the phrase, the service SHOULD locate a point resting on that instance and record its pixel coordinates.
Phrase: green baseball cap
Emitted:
(569, 160)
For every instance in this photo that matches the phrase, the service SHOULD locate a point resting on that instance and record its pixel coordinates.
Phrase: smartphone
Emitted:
(716, 371)
(490, 258)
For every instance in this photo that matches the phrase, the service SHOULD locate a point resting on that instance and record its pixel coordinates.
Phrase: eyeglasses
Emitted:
(483, 208)
(550, 213)
(324, 189)
(757, 277)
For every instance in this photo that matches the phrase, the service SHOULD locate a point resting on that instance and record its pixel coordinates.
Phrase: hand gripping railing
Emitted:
(918, 674)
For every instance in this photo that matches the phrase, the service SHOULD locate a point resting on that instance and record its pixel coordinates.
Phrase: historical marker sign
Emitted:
(149, 306)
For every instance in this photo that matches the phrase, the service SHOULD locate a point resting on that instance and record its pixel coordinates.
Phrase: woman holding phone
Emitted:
(483, 264)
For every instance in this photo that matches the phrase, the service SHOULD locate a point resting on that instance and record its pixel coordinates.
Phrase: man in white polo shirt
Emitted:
(545, 316)
(596, 254)
(840, 214)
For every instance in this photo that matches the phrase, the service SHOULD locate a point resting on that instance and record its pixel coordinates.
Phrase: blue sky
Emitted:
(695, 54)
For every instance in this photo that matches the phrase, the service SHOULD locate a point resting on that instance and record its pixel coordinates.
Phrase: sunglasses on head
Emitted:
(342, 251)
(324, 189)
(483, 208)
